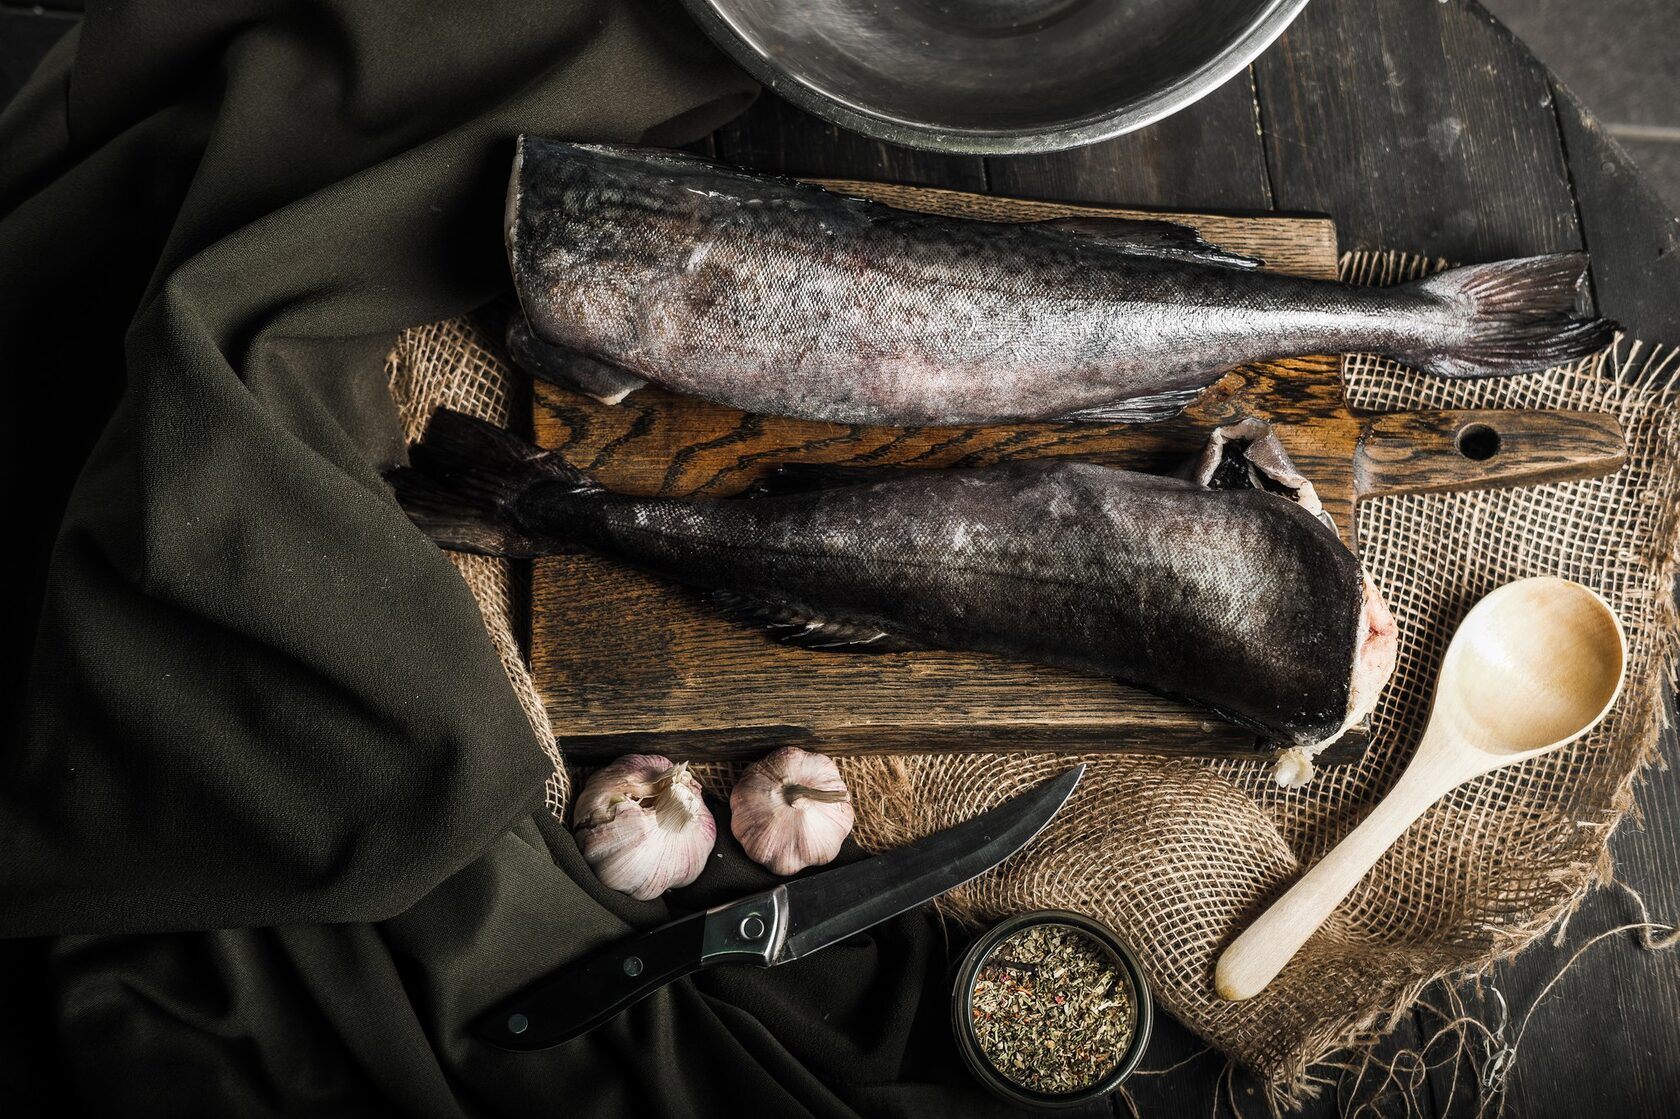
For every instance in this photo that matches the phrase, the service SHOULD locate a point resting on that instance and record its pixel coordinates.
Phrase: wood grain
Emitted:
(1339, 137)
(625, 661)
(1607, 1039)
(778, 137)
(1349, 102)
(1380, 115)
(1632, 235)
(1604, 1041)
(1207, 156)
(1434, 452)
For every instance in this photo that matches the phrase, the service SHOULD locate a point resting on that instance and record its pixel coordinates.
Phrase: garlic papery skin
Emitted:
(643, 826)
(791, 810)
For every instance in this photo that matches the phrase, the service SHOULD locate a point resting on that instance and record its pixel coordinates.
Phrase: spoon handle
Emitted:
(1255, 958)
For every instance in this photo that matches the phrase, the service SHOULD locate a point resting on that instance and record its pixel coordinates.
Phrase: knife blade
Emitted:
(786, 923)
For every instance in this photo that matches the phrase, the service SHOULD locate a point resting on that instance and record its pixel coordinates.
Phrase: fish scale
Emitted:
(1237, 598)
(816, 305)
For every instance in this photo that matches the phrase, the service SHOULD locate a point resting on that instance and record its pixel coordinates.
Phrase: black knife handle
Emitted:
(574, 999)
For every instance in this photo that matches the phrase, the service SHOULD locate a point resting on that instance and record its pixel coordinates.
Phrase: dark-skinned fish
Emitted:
(1227, 587)
(773, 296)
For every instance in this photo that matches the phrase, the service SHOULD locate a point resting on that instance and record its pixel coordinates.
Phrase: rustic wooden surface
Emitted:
(686, 683)
(1432, 452)
(1421, 126)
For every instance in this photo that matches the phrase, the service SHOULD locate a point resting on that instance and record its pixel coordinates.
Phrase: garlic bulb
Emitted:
(642, 825)
(791, 810)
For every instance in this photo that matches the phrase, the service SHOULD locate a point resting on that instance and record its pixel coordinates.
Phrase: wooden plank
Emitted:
(699, 685)
(1415, 126)
(692, 684)
(1436, 452)
(1379, 152)
(1422, 127)
(1633, 236)
(1606, 1042)
(776, 136)
(1207, 157)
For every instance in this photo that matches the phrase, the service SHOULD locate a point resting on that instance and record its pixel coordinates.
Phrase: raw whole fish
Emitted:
(772, 296)
(1227, 587)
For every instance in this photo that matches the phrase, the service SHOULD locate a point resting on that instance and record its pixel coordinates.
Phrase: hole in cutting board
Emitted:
(1477, 442)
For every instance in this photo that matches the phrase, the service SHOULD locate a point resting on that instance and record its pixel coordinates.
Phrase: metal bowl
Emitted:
(993, 77)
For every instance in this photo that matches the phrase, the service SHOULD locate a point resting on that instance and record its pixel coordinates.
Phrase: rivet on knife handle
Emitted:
(1438, 451)
(580, 997)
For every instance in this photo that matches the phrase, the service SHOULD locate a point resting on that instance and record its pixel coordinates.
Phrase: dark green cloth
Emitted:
(260, 702)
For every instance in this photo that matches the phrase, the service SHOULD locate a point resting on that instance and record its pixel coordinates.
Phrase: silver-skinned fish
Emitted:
(773, 296)
(1226, 587)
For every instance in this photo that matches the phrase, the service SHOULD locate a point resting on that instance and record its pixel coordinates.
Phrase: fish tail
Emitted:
(463, 478)
(1515, 316)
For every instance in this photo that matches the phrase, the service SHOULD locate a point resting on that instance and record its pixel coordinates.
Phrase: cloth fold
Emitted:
(367, 1019)
(272, 823)
(257, 696)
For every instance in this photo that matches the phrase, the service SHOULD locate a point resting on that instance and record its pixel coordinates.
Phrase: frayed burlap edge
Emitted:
(1641, 369)
(450, 365)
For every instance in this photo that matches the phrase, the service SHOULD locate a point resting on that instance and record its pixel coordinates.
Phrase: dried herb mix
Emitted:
(1052, 1010)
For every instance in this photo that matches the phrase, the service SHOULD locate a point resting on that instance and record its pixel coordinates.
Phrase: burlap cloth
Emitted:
(1179, 855)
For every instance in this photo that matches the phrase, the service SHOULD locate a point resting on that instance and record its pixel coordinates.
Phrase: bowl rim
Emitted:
(962, 1025)
(1104, 125)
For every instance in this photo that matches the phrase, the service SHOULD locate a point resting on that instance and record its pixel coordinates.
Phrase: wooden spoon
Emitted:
(1534, 666)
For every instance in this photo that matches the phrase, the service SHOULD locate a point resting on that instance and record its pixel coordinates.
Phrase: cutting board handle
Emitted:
(1434, 452)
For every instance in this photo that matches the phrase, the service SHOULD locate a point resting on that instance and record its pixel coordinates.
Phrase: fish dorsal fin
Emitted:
(1138, 409)
(792, 625)
(807, 477)
(1166, 240)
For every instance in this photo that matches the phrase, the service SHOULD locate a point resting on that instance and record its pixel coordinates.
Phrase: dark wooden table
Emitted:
(1427, 127)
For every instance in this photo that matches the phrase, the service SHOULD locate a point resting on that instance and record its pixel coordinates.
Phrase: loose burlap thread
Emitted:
(1179, 855)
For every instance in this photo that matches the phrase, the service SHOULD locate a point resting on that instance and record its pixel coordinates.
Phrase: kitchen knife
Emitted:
(770, 928)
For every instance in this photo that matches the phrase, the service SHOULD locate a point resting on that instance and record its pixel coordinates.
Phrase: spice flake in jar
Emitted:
(1053, 1010)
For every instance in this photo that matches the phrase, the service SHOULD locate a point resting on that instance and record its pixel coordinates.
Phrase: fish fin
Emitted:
(569, 368)
(1166, 240)
(1138, 409)
(808, 477)
(792, 625)
(1519, 316)
(462, 479)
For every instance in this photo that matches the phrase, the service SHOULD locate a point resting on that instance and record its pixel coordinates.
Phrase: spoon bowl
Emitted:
(1533, 667)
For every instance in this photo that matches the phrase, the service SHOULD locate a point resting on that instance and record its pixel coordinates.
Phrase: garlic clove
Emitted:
(791, 810)
(643, 826)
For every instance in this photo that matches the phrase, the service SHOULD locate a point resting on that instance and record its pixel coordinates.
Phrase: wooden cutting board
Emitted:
(626, 662)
